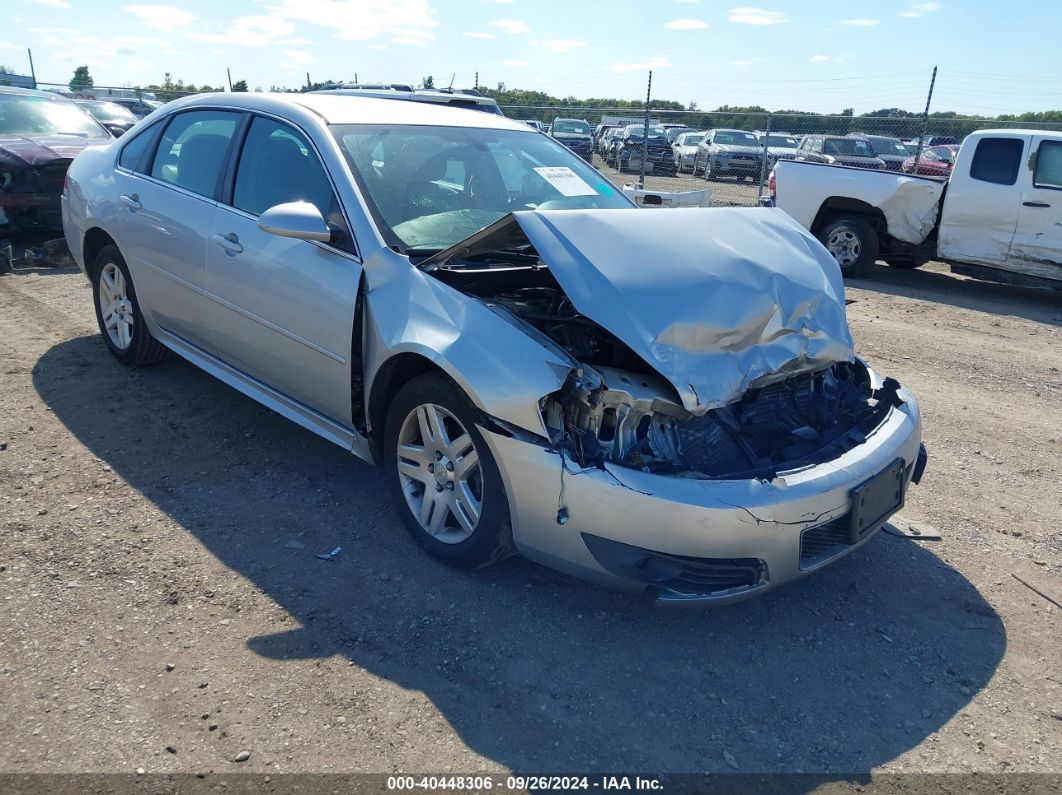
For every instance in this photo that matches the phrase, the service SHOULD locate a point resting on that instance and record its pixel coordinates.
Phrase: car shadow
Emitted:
(1038, 304)
(837, 674)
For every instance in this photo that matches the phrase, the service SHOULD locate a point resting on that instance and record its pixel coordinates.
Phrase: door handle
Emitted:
(1035, 204)
(132, 202)
(229, 242)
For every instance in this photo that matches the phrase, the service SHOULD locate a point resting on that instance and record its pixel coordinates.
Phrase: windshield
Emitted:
(943, 153)
(637, 129)
(735, 137)
(571, 126)
(785, 141)
(887, 146)
(692, 139)
(431, 187)
(30, 115)
(109, 112)
(852, 147)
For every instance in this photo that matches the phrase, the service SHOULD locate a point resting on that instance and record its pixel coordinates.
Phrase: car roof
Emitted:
(334, 107)
(29, 92)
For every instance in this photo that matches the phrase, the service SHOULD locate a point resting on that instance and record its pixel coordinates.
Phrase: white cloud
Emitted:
(560, 45)
(690, 2)
(686, 24)
(832, 58)
(249, 31)
(517, 64)
(7, 45)
(476, 34)
(656, 62)
(161, 17)
(746, 62)
(300, 57)
(920, 9)
(510, 26)
(410, 41)
(125, 51)
(861, 23)
(363, 20)
(53, 3)
(756, 16)
(819, 58)
(294, 42)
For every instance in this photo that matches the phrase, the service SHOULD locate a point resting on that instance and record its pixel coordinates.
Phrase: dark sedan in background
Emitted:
(40, 133)
(117, 119)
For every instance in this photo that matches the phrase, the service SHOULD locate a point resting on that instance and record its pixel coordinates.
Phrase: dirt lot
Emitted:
(163, 607)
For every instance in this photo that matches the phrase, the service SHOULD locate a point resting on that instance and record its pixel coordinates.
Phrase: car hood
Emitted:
(736, 149)
(561, 136)
(38, 150)
(778, 151)
(717, 300)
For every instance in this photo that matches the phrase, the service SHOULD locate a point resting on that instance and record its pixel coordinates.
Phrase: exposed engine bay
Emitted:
(615, 407)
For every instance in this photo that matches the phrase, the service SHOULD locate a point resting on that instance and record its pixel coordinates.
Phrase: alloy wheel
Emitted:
(440, 473)
(116, 308)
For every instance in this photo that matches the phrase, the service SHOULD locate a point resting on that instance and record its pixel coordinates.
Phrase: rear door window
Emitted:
(997, 160)
(192, 151)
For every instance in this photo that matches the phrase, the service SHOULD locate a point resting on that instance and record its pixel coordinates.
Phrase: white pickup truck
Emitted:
(1001, 207)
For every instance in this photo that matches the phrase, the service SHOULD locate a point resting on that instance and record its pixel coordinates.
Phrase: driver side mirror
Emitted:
(300, 220)
(116, 130)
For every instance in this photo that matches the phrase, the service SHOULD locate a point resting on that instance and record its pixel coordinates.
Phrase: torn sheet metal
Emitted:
(716, 300)
(911, 211)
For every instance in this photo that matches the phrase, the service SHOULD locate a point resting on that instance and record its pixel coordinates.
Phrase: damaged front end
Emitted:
(30, 196)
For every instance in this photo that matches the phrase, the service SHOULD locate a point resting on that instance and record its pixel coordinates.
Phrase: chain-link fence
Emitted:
(733, 153)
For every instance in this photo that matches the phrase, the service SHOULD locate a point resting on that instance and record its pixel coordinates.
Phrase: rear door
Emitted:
(284, 307)
(1037, 244)
(980, 212)
(167, 200)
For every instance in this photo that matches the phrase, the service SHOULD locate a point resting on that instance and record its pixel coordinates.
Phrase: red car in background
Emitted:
(936, 161)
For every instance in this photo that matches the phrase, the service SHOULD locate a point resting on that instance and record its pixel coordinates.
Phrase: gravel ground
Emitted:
(163, 607)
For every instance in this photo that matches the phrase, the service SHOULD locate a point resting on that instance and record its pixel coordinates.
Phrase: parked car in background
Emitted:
(891, 151)
(728, 153)
(998, 209)
(370, 270)
(609, 143)
(837, 150)
(673, 131)
(684, 149)
(780, 146)
(40, 134)
(468, 98)
(535, 125)
(116, 119)
(139, 107)
(635, 143)
(574, 134)
(936, 161)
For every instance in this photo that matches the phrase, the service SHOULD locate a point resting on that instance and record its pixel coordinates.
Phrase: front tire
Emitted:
(444, 480)
(118, 313)
(853, 243)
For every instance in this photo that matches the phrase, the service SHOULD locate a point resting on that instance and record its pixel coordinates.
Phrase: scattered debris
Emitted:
(904, 528)
(730, 760)
(293, 544)
(242, 756)
(170, 666)
(330, 555)
(1032, 587)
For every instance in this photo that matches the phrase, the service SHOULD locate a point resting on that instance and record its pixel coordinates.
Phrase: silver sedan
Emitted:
(661, 401)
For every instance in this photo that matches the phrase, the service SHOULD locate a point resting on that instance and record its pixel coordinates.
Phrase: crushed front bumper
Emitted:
(692, 541)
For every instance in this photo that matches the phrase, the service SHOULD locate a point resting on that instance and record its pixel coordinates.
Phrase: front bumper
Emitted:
(746, 529)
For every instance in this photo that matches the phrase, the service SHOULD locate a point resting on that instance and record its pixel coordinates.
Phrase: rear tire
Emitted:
(853, 243)
(118, 312)
(444, 480)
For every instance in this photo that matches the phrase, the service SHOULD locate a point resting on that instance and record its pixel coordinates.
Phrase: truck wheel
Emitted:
(853, 243)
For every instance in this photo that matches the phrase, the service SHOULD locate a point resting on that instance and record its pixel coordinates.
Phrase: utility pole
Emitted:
(925, 122)
(645, 132)
(477, 81)
(229, 73)
(33, 74)
(309, 85)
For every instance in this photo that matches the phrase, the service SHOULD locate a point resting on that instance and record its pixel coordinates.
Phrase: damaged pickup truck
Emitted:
(999, 211)
(658, 401)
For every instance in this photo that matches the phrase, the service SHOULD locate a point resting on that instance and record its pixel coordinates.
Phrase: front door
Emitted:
(1037, 246)
(285, 307)
(981, 205)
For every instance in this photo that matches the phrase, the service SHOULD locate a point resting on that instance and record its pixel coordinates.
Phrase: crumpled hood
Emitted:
(39, 150)
(717, 300)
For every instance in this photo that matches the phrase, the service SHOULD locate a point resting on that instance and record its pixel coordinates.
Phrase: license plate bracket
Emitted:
(876, 500)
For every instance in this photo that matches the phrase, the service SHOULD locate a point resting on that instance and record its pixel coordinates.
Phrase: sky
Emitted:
(820, 56)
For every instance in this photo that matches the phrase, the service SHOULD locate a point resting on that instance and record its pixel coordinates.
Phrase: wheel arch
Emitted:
(391, 376)
(94, 242)
(840, 206)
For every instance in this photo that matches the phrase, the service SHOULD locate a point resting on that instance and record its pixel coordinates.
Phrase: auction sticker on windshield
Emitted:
(566, 181)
